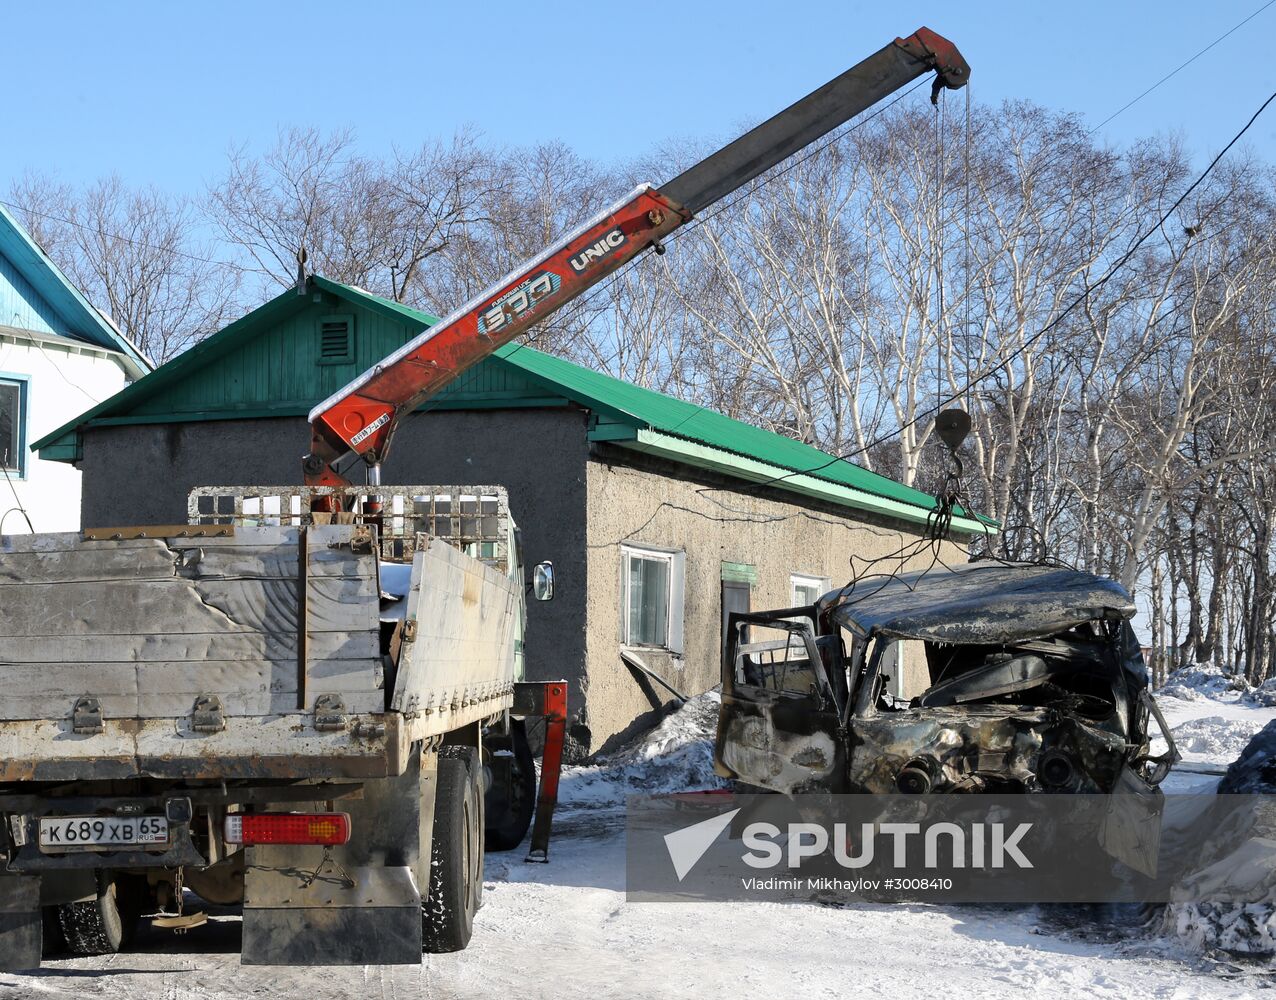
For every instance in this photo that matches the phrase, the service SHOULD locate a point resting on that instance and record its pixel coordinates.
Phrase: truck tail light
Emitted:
(287, 828)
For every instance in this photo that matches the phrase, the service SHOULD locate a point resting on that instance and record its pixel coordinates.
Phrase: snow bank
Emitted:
(1200, 682)
(675, 756)
(1265, 693)
(1213, 737)
(1211, 714)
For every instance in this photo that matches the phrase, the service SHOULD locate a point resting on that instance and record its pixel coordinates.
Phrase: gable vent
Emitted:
(336, 340)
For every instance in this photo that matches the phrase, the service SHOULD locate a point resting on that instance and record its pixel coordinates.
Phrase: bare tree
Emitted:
(137, 255)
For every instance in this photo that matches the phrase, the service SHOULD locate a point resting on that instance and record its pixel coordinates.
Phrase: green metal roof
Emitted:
(263, 365)
(635, 406)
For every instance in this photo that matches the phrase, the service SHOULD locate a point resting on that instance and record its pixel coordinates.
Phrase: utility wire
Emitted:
(133, 242)
(1080, 297)
(1129, 104)
(4, 467)
(972, 382)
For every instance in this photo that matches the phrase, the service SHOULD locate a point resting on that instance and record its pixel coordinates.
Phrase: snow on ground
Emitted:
(565, 929)
(675, 756)
(1211, 717)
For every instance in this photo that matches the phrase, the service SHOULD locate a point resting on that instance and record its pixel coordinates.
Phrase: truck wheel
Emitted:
(100, 926)
(511, 800)
(456, 853)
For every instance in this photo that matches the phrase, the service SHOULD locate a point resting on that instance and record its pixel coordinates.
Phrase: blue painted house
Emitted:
(57, 354)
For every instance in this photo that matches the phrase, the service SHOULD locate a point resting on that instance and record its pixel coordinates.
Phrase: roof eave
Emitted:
(751, 470)
(47, 279)
(209, 348)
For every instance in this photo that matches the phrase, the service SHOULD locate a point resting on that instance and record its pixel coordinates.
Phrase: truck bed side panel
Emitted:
(459, 666)
(146, 625)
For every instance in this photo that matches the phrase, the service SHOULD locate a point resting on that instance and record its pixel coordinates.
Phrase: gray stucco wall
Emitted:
(637, 501)
(141, 474)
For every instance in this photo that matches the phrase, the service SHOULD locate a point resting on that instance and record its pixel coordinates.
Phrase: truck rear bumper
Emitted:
(277, 746)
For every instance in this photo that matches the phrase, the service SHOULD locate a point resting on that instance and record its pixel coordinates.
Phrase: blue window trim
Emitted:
(24, 419)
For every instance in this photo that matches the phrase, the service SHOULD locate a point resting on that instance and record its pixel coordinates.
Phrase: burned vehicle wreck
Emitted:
(983, 677)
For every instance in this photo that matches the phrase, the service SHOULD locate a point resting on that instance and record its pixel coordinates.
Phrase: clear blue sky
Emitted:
(158, 92)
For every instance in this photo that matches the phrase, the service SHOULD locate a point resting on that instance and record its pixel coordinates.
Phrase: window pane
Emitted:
(807, 589)
(10, 424)
(648, 601)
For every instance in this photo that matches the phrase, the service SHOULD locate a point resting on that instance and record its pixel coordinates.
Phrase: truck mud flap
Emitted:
(21, 930)
(357, 904)
(297, 914)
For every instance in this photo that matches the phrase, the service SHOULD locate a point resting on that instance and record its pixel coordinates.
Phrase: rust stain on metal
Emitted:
(159, 531)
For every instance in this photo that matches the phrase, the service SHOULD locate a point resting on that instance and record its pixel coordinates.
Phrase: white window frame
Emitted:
(820, 583)
(676, 596)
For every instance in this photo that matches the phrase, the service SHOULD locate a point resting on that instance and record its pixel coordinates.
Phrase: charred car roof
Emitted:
(980, 602)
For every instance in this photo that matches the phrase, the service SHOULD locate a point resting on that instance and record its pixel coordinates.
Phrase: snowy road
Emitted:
(565, 929)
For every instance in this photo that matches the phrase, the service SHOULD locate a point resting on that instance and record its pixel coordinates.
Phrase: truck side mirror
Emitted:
(543, 581)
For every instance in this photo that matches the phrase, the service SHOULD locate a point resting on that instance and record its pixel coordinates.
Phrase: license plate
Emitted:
(62, 833)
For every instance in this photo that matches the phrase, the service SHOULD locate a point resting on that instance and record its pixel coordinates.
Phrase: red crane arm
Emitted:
(354, 427)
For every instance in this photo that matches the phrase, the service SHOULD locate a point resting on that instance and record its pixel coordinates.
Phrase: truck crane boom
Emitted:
(355, 426)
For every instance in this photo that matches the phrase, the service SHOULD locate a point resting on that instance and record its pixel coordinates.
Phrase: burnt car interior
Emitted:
(1074, 670)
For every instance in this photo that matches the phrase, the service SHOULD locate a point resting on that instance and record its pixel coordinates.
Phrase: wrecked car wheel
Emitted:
(915, 778)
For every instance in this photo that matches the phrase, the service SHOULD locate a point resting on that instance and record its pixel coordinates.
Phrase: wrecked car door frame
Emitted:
(778, 738)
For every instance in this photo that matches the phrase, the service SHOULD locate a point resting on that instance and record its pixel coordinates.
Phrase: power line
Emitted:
(4, 467)
(132, 242)
(971, 382)
(1129, 104)
(1080, 297)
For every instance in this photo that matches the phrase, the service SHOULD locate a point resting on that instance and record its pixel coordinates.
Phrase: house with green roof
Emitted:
(57, 355)
(660, 516)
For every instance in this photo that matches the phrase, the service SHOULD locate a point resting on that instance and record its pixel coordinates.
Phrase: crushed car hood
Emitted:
(980, 602)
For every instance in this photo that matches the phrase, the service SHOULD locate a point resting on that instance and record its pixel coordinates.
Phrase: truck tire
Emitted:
(100, 926)
(511, 800)
(456, 853)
